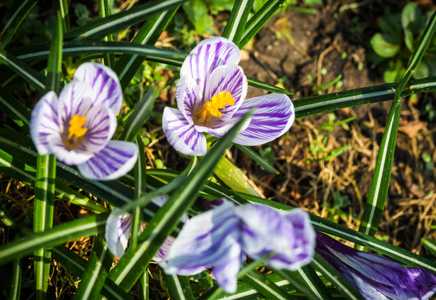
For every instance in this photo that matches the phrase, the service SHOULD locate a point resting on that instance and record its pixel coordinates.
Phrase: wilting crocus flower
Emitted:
(77, 128)
(118, 228)
(375, 276)
(220, 238)
(210, 98)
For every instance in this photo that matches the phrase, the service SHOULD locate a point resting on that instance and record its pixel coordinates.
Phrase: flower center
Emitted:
(76, 130)
(212, 108)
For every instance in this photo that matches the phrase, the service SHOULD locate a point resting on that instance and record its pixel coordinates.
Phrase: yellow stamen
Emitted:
(76, 129)
(212, 108)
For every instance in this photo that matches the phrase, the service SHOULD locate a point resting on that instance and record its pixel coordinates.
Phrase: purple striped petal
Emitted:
(207, 240)
(75, 99)
(65, 154)
(289, 234)
(375, 276)
(106, 88)
(118, 227)
(229, 78)
(44, 122)
(182, 135)
(112, 162)
(273, 116)
(101, 124)
(225, 272)
(187, 96)
(206, 57)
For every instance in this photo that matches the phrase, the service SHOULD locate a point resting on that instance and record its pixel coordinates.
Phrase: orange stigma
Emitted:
(76, 130)
(212, 108)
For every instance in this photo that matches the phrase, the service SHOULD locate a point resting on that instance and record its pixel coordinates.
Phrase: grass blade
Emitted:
(257, 158)
(46, 174)
(26, 72)
(128, 64)
(13, 18)
(179, 287)
(265, 286)
(58, 235)
(14, 109)
(236, 25)
(63, 10)
(380, 184)
(139, 115)
(266, 86)
(104, 11)
(102, 27)
(15, 289)
(128, 269)
(259, 19)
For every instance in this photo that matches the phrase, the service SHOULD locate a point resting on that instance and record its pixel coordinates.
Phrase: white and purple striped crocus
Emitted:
(375, 276)
(211, 99)
(119, 226)
(221, 238)
(78, 126)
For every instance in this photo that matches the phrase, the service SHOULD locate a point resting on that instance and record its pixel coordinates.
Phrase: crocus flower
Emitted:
(211, 99)
(375, 276)
(220, 238)
(78, 126)
(118, 228)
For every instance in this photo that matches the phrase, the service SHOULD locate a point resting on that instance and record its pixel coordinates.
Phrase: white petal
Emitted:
(66, 154)
(206, 57)
(118, 227)
(187, 96)
(273, 116)
(182, 135)
(106, 88)
(101, 124)
(44, 122)
(75, 99)
(114, 161)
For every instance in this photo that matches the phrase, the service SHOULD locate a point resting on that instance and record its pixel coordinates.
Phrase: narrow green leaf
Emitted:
(313, 282)
(382, 174)
(14, 109)
(121, 20)
(294, 279)
(128, 64)
(26, 72)
(15, 14)
(265, 286)
(430, 245)
(238, 18)
(179, 287)
(15, 284)
(58, 235)
(266, 86)
(63, 10)
(128, 270)
(93, 277)
(334, 101)
(54, 67)
(257, 158)
(336, 278)
(141, 112)
(104, 11)
(144, 284)
(259, 19)
(43, 218)
(79, 48)
(77, 265)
